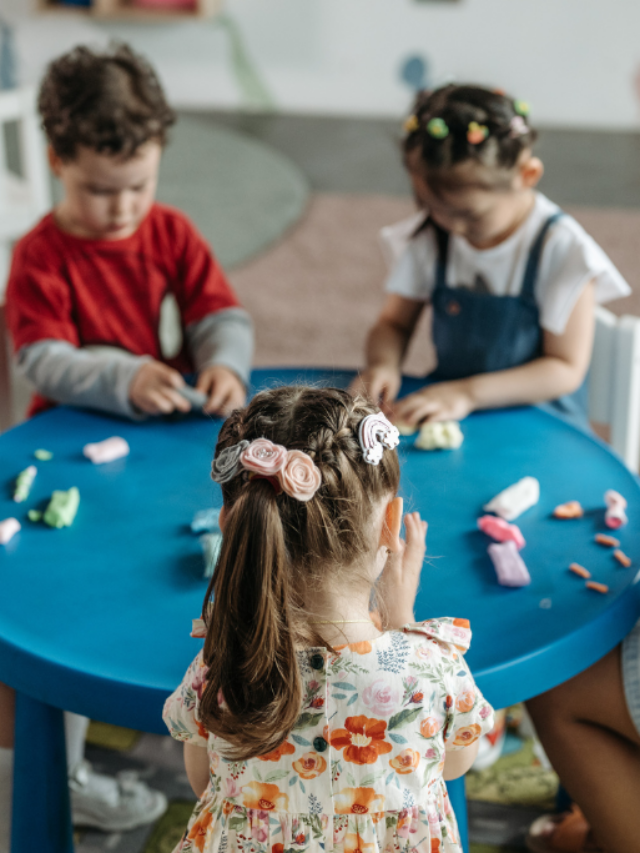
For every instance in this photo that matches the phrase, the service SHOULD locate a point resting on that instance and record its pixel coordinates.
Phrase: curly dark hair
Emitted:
(111, 102)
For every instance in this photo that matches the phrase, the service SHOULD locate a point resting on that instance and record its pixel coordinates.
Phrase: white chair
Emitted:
(24, 198)
(614, 382)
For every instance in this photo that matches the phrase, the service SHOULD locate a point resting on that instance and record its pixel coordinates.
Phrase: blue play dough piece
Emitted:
(415, 72)
(206, 520)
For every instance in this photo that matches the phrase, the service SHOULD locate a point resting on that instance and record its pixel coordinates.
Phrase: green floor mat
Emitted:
(170, 828)
(111, 737)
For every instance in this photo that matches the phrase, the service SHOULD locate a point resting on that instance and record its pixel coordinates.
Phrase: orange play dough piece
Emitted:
(622, 558)
(577, 569)
(606, 540)
(571, 509)
(598, 587)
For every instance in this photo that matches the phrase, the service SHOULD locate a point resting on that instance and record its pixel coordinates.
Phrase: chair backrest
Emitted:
(614, 382)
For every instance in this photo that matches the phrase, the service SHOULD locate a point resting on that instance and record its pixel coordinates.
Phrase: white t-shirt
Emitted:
(570, 259)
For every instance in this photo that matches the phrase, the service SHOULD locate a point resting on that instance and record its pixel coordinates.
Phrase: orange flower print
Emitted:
(202, 731)
(467, 735)
(435, 845)
(276, 754)
(358, 801)
(362, 648)
(462, 623)
(266, 798)
(354, 843)
(277, 848)
(198, 832)
(429, 727)
(310, 765)
(362, 739)
(406, 761)
(465, 701)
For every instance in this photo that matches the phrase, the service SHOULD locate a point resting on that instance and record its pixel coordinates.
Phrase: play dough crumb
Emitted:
(8, 529)
(545, 603)
(440, 435)
(615, 516)
(34, 515)
(608, 541)
(598, 587)
(515, 499)
(622, 558)
(62, 508)
(107, 450)
(577, 569)
(43, 455)
(571, 509)
(406, 429)
(24, 481)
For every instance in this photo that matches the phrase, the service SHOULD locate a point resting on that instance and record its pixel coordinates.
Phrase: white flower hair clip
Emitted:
(374, 434)
(290, 471)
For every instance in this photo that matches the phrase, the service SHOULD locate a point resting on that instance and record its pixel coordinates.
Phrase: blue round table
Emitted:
(96, 618)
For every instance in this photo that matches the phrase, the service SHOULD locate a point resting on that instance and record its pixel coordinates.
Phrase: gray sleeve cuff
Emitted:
(79, 377)
(224, 338)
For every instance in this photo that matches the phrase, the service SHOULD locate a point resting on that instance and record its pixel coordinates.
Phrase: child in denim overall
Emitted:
(511, 279)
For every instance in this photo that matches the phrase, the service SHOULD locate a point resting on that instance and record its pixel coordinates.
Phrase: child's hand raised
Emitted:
(401, 576)
(378, 384)
(443, 401)
(154, 390)
(224, 390)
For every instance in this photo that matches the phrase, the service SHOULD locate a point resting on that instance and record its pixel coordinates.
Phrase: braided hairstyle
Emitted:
(276, 552)
(455, 124)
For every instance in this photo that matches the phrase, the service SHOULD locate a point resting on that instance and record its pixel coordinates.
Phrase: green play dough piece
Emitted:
(62, 508)
(43, 455)
(34, 515)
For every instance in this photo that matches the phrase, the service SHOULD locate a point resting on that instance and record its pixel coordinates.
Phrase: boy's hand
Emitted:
(378, 384)
(223, 388)
(444, 401)
(401, 575)
(153, 390)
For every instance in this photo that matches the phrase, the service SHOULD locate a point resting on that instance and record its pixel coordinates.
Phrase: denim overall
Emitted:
(477, 332)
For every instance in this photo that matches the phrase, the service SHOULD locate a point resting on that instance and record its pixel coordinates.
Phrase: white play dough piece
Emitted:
(8, 529)
(440, 435)
(107, 450)
(514, 500)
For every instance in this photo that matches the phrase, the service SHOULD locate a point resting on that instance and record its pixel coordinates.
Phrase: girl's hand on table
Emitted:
(224, 390)
(444, 401)
(401, 576)
(154, 390)
(378, 384)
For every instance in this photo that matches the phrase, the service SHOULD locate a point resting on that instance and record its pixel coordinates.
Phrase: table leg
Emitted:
(458, 799)
(41, 817)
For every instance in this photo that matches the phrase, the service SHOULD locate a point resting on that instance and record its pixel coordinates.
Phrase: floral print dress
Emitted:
(361, 772)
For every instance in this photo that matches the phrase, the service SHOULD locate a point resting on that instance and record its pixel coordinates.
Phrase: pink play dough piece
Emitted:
(615, 516)
(501, 530)
(509, 565)
(8, 529)
(107, 450)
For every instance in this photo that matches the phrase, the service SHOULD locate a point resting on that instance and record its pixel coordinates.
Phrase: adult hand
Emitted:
(401, 576)
(444, 401)
(378, 384)
(154, 390)
(225, 392)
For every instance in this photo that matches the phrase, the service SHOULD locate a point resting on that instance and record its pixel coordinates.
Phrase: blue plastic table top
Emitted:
(96, 618)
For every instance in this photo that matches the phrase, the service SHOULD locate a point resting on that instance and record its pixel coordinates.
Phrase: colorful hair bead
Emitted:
(477, 133)
(411, 124)
(438, 128)
(518, 127)
(522, 108)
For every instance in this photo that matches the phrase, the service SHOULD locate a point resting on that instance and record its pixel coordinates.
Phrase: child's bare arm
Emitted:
(387, 344)
(458, 761)
(196, 762)
(560, 370)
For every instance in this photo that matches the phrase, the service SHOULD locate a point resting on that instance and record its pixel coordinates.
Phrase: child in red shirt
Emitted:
(94, 272)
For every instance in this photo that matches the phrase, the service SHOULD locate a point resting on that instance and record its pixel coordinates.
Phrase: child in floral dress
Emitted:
(308, 726)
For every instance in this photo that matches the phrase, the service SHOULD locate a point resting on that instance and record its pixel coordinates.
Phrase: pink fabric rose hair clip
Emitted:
(374, 434)
(290, 471)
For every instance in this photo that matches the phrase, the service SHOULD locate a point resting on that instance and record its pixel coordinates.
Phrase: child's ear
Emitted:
(531, 170)
(54, 161)
(390, 534)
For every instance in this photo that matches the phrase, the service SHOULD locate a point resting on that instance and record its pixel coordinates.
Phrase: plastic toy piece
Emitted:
(107, 450)
(622, 558)
(24, 481)
(509, 565)
(615, 516)
(34, 515)
(197, 399)
(606, 540)
(406, 429)
(571, 509)
(514, 500)
(43, 455)
(577, 569)
(598, 587)
(440, 435)
(8, 529)
(206, 520)
(501, 530)
(62, 508)
(211, 544)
